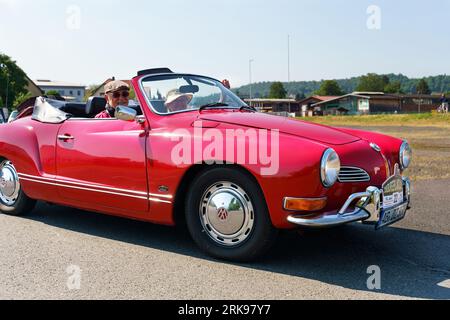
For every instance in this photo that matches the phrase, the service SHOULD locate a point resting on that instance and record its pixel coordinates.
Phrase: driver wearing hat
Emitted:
(117, 93)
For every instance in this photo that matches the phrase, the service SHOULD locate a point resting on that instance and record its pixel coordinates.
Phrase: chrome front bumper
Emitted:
(368, 209)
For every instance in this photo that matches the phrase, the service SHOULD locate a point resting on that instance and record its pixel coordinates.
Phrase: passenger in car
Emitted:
(117, 93)
(177, 101)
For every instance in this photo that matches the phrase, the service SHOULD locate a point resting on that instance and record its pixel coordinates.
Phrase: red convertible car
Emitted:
(190, 152)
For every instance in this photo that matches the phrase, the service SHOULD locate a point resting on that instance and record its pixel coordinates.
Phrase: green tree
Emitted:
(54, 94)
(21, 98)
(300, 96)
(277, 91)
(13, 81)
(329, 88)
(372, 82)
(393, 87)
(422, 87)
(90, 90)
(132, 93)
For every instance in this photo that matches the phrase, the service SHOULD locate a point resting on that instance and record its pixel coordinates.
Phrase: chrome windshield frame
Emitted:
(147, 100)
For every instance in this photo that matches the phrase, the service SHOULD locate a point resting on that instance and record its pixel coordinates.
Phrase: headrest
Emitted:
(95, 105)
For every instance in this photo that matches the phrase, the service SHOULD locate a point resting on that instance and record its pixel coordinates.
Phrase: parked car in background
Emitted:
(233, 207)
(13, 115)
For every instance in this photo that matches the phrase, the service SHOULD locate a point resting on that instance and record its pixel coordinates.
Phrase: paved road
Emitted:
(123, 259)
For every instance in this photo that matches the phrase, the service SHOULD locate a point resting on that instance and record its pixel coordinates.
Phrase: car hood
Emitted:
(319, 133)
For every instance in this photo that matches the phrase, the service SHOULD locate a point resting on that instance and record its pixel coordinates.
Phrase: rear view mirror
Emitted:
(125, 113)
(189, 89)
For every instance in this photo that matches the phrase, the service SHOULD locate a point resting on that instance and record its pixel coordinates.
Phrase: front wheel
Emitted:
(227, 216)
(13, 200)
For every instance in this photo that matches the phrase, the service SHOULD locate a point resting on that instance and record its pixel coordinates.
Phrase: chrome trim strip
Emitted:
(81, 184)
(159, 200)
(329, 221)
(85, 189)
(55, 183)
(96, 186)
(161, 196)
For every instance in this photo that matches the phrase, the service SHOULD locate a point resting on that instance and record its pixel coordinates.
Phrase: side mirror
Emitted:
(125, 113)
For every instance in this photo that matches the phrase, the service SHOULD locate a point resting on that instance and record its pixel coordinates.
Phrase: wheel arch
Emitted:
(190, 175)
(19, 144)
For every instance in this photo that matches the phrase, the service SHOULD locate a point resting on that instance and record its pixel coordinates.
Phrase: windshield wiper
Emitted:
(248, 108)
(213, 105)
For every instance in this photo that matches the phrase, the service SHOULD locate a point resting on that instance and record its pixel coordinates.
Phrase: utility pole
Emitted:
(250, 76)
(289, 68)
(289, 58)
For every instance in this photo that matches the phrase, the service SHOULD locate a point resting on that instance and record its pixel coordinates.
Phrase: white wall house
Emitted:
(69, 91)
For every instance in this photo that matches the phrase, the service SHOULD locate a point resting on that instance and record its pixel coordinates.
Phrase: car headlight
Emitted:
(405, 155)
(330, 168)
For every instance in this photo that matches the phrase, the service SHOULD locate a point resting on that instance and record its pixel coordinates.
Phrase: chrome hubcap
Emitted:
(227, 214)
(9, 184)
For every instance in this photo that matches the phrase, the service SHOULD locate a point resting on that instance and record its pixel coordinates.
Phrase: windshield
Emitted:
(180, 93)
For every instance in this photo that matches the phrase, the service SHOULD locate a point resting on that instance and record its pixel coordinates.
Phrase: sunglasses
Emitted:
(124, 94)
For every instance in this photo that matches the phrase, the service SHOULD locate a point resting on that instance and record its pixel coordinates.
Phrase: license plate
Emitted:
(391, 216)
(393, 192)
(394, 206)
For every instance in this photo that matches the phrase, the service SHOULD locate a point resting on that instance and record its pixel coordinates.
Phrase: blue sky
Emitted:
(329, 38)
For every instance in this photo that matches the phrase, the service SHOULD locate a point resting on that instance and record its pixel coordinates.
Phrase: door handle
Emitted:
(66, 137)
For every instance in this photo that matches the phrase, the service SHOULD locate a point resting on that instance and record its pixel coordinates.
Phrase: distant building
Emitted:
(275, 105)
(377, 102)
(307, 105)
(354, 103)
(288, 106)
(69, 91)
(349, 104)
(419, 102)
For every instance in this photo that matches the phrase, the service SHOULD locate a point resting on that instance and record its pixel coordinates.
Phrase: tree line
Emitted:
(372, 82)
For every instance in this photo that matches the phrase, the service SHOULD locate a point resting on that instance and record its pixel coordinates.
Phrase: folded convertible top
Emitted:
(49, 111)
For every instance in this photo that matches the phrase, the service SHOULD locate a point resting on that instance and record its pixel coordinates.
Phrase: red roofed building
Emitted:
(307, 105)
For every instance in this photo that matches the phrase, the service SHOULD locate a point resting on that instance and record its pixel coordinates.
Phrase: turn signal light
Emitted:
(300, 204)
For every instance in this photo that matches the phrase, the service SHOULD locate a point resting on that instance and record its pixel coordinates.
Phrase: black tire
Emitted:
(262, 235)
(21, 206)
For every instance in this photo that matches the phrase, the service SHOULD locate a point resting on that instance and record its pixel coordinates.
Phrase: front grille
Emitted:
(351, 174)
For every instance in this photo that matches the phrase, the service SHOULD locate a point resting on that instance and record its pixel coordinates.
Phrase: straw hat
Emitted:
(176, 95)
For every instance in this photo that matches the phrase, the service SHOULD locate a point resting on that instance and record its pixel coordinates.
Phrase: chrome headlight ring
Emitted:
(330, 168)
(405, 155)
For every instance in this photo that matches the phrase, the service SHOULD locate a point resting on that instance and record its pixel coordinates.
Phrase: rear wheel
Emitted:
(227, 216)
(13, 200)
